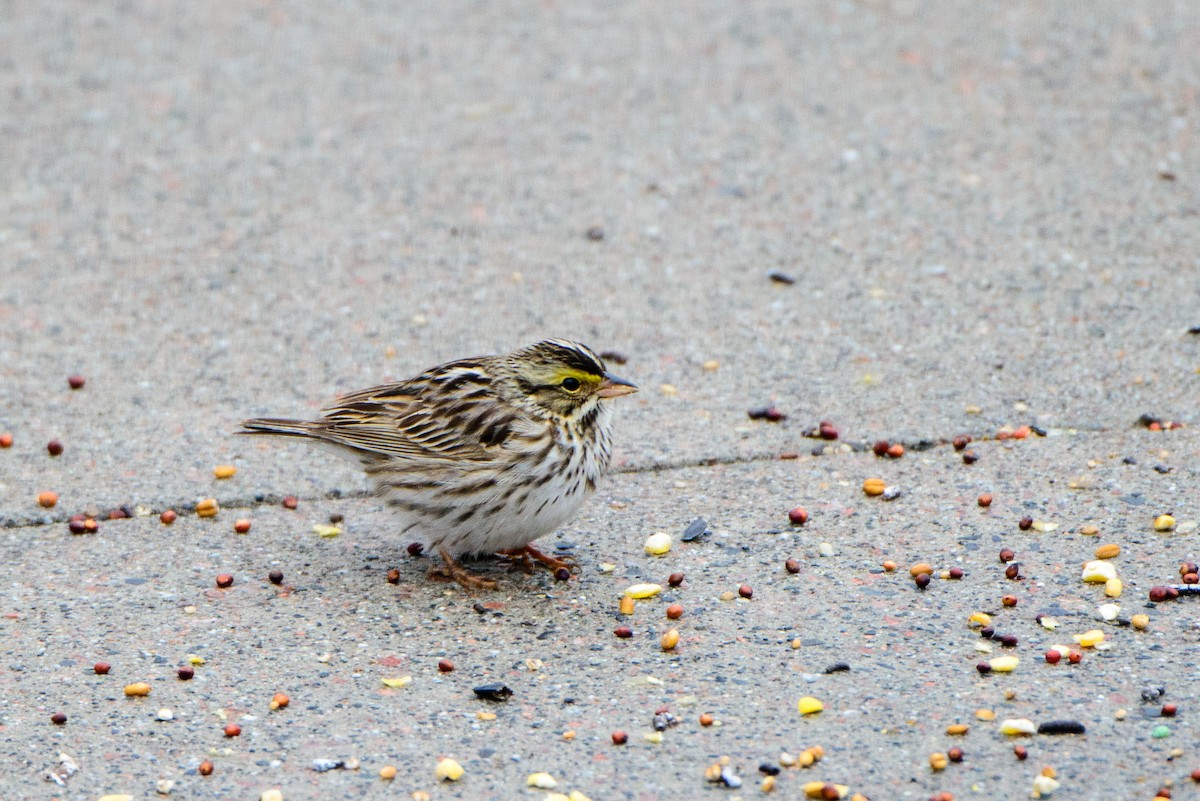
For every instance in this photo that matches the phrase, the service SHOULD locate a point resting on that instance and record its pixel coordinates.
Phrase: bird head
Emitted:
(564, 378)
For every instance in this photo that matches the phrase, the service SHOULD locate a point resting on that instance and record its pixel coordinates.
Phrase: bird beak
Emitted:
(613, 387)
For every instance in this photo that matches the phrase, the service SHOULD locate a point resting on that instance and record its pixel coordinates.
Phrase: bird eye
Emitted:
(570, 383)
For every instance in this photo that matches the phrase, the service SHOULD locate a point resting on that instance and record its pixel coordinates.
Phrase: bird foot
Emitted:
(453, 571)
(529, 554)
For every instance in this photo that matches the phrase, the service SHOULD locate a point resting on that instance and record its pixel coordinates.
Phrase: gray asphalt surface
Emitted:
(215, 211)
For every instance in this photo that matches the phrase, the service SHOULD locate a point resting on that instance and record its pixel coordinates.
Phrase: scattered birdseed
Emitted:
(207, 508)
(1164, 523)
(232, 730)
(920, 568)
(1161, 732)
(290, 502)
(165, 714)
(448, 770)
(445, 666)
(658, 544)
(809, 705)
(1140, 621)
(6, 440)
(1061, 727)
(970, 457)
(325, 531)
(957, 729)
(670, 639)
(493, 692)
(47, 499)
(675, 579)
(874, 486)
(1113, 587)
(168, 517)
(1017, 726)
(643, 591)
(825, 549)
(1090, 639)
(620, 738)
(541, 780)
(138, 689)
(101, 668)
(895, 450)
(1004, 664)
(1109, 551)
(205, 768)
(185, 672)
(938, 761)
(224, 471)
(1098, 571)
(224, 580)
(1044, 526)
(746, 591)
(242, 526)
(652, 737)
(397, 682)
(674, 611)
(274, 794)
(623, 632)
(798, 516)
(792, 565)
(985, 500)
(1043, 785)
(781, 277)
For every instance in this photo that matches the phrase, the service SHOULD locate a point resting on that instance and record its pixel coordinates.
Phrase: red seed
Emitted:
(675, 579)
(91, 526)
(620, 738)
(984, 668)
(922, 580)
(962, 441)
(827, 430)
(1075, 657)
(1013, 571)
(706, 719)
(1196, 775)
(77, 526)
(275, 577)
(746, 591)
(1007, 555)
(117, 514)
(624, 632)
(1158, 594)
(1188, 567)
(242, 526)
(830, 792)
(895, 451)
(1025, 523)
(47, 499)
(955, 754)
(985, 500)
(168, 517)
(562, 574)
(1020, 752)
(1191, 578)
(415, 548)
(393, 576)
(232, 730)
(798, 516)
(185, 672)
(970, 457)
(1009, 600)
(956, 573)
(1053, 656)
(58, 718)
(881, 447)
(1169, 710)
(101, 668)
(445, 665)
(224, 580)
(54, 447)
(792, 565)
(76, 381)
(290, 502)
(205, 768)
(788, 455)
(6, 440)
(674, 611)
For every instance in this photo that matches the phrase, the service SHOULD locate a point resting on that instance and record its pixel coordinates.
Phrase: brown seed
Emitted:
(889, 566)
(874, 486)
(232, 730)
(624, 632)
(393, 576)
(101, 668)
(919, 568)
(675, 579)
(224, 580)
(1188, 567)
(58, 718)
(54, 447)
(336, 518)
(1196, 775)
(1009, 600)
(985, 500)
(562, 574)
(90, 526)
(47, 499)
(922, 581)
(827, 430)
(1025, 523)
(1007, 555)
(706, 719)
(895, 451)
(788, 455)
(830, 792)
(746, 591)
(76, 381)
(290, 502)
(445, 665)
(881, 447)
(955, 754)
(1020, 752)
(242, 526)
(77, 526)
(415, 548)
(626, 605)
(674, 612)
(223, 471)
(1075, 657)
(1191, 578)
(185, 672)
(168, 517)
(962, 441)
(207, 508)
(970, 457)
(6, 440)
(1053, 656)
(798, 516)
(620, 738)
(792, 565)
(1108, 551)
(275, 577)
(205, 768)
(1169, 710)
(280, 701)
(118, 514)
(1159, 594)
(956, 573)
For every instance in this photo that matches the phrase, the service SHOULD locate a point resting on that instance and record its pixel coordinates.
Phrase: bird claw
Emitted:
(529, 554)
(453, 571)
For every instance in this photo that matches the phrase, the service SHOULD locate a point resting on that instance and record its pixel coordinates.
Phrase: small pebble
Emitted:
(1020, 752)
(825, 549)
(1052, 727)
(1161, 732)
(165, 714)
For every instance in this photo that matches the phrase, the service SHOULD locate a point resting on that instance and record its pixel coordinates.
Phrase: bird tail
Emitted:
(280, 427)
